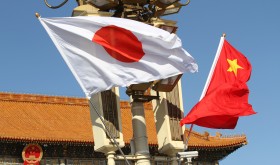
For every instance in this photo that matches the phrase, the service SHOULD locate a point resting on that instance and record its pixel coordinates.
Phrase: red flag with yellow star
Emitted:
(226, 97)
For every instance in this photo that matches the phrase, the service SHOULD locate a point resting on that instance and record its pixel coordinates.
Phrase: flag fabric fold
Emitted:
(103, 52)
(226, 96)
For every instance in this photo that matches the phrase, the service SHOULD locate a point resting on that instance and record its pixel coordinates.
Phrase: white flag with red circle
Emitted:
(103, 52)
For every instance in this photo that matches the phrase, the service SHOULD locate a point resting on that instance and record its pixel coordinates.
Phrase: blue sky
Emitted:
(30, 63)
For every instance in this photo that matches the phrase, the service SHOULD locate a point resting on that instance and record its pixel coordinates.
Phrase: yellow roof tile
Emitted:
(67, 119)
(198, 140)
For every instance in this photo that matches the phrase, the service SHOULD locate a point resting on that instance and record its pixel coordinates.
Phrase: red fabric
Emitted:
(227, 95)
(27, 163)
(113, 39)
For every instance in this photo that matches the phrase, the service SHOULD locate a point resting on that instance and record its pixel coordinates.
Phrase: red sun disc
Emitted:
(119, 43)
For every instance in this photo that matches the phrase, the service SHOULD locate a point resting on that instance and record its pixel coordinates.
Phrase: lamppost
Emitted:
(149, 12)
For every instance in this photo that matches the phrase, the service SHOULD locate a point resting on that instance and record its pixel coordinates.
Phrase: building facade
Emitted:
(61, 127)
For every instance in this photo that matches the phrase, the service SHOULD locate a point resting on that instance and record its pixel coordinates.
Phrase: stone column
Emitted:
(174, 160)
(110, 158)
(189, 161)
(140, 134)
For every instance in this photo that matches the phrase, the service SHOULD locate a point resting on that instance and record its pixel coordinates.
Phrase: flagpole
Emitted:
(108, 132)
(188, 138)
(37, 15)
(207, 82)
(213, 66)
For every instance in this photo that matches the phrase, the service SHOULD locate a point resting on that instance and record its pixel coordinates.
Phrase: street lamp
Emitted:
(165, 92)
(137, 93)
(167, 85)
(104, 4)
(140, 10)
(170, 9)
(133, 2)
(167, 25)
(164, 3)
(89, 10)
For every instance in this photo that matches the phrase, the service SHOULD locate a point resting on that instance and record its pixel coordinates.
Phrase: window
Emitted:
(101, 162)
(11, 161)
(49, 161)
(110, 111)
(86, 162)
(175, 114)
(118, 162)
(159, 163)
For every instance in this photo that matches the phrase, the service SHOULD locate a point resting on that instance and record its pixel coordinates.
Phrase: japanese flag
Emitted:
(103, 52)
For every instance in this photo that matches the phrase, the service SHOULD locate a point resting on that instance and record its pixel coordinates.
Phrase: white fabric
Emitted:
(97, 71)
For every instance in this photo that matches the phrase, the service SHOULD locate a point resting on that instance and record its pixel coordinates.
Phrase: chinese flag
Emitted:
(226, 97)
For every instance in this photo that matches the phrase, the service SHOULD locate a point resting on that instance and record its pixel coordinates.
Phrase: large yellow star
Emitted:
(233, 66)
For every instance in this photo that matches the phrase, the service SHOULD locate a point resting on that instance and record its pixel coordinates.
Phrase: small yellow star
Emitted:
(233, 66)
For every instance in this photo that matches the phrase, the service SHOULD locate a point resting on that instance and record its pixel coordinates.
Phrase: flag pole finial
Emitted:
(37, 15)
(224, 35)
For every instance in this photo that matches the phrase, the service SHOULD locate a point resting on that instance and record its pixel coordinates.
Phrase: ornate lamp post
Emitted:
(165, 94)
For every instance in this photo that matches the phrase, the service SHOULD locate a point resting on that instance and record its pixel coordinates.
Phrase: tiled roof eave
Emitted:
(59, 109)
(33, 98)
(220, 147)
(53, 141)
(58, 141)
